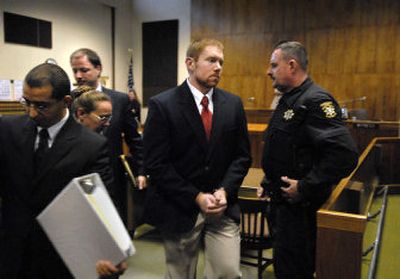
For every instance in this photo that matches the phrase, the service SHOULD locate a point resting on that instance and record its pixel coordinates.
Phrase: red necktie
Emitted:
(206, 117)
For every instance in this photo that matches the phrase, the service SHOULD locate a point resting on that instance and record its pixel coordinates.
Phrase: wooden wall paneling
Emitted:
(231, 56)
(387, 12)
(353, 45)
(223, 15)
(347, 79)
(263, 93)
(313, 22)
(366, 62)
(317, 47)
(209, 17)
(232, 84)
(335, 51)
(249, 90)
(385, 42)
(293, 15)
(215, 21)
(274, 17)
(377, 98)
(366, 85)
(327, 14)
(240, 17)
(259, 52)
(339, 88)
(198, 24)
(397, 99)
(368, 11)
(384, 102)
(257, 11)
(396, 46)
(333, 83)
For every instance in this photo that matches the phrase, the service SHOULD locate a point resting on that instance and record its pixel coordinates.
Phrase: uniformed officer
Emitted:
(307, 151)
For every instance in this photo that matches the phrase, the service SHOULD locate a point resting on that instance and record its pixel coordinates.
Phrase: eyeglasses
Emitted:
(103, 118)
(39, 106)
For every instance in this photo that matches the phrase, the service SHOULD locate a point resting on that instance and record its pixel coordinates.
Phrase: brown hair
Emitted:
(88, 100)
(80, 90)
(197, 46)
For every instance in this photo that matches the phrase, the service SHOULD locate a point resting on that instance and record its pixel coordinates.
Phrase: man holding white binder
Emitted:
(40, 153)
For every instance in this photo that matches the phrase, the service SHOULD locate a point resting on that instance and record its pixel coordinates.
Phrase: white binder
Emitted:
(84, 227)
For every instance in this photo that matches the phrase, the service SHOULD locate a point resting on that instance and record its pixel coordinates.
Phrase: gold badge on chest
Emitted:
(287, 115)
(328, 109)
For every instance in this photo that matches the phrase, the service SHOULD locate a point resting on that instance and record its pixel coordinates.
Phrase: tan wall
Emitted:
(75, 24)
(354, 46)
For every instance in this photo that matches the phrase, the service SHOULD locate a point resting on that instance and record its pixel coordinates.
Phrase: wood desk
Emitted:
(256, 132)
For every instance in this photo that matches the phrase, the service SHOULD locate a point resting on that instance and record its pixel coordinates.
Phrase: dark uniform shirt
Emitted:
(307, 140)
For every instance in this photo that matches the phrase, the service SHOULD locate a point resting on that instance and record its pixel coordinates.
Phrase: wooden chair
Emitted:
(254, 233)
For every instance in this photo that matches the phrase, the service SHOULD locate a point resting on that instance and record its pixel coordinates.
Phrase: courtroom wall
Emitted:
(75, 24)
(354, 46)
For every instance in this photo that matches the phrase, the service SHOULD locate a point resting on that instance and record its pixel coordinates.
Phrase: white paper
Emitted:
(18, 87)
(5, 90)
(85, 228)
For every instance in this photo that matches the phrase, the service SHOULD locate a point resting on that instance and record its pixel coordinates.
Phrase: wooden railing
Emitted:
(342, 221)
(11, 107)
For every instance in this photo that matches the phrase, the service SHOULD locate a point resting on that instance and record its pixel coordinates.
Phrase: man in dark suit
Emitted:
(197, 154)
(86, 66)
(40, 153)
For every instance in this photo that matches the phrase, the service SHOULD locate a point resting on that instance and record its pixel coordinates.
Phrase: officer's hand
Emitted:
(290, 193)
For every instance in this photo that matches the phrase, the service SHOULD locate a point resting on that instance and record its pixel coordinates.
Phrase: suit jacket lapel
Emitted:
(28, 146)
(191, 113)
(217, 119)
(62, 145)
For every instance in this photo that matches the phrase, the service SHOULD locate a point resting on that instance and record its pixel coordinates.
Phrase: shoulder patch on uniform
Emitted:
(329, 109)
(287, 115)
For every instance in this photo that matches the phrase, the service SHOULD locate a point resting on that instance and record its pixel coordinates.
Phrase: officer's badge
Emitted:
(328, 109)
(287, 115)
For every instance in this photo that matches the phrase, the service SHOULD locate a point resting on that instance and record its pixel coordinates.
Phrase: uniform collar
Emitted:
(290, 97)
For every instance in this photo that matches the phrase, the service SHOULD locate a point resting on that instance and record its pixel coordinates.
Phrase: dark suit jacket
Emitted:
(123, 125)
(181, 162)
(76, 151)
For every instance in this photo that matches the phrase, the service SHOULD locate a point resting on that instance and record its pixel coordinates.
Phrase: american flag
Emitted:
(131, 82)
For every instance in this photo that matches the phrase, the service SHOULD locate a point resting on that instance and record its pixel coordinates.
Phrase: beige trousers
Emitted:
(221, 239)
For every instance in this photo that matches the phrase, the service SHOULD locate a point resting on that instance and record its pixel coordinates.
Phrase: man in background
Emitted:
(307, 151)
(40, 153)
(197, 154)
(86, 66)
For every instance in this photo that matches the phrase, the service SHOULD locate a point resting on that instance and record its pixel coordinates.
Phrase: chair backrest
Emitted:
(254, 227)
